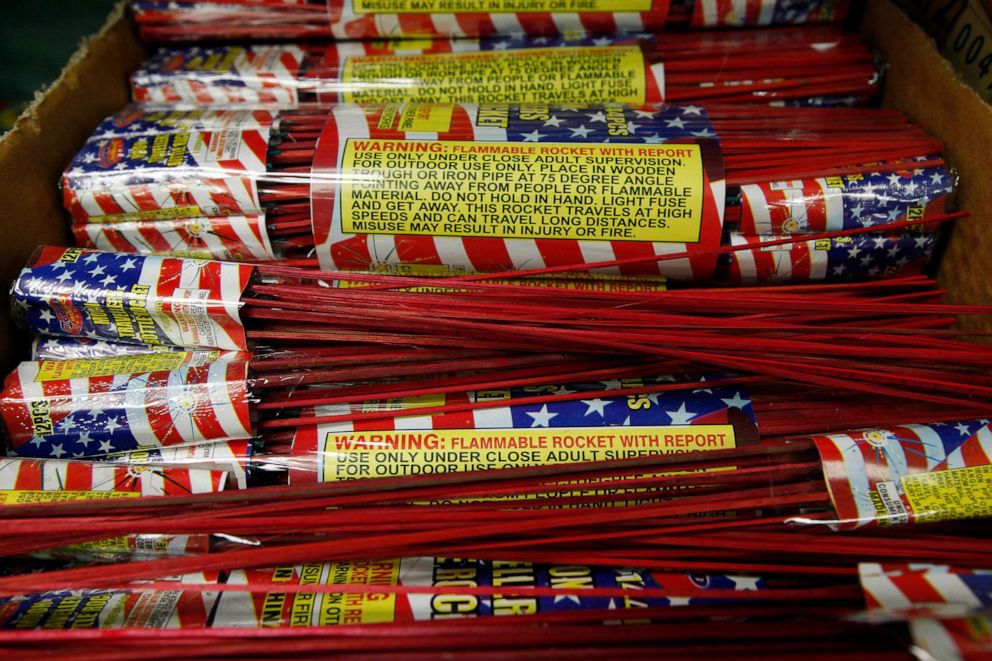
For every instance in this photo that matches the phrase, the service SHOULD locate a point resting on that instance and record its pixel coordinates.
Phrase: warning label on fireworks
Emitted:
(965, 493)
(909, 474)
(548, 75)
(497, 6)
(629, 192)
(356, 455)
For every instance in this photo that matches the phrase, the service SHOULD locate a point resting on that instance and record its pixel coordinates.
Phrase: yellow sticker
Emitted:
(520, 190)
(366, 454)
(84, 368)
(403, 403)
(156, 214)
(496, 6)
(962, 493)
(356, 607)
(24, 496)
(429, 117)
(588, 75)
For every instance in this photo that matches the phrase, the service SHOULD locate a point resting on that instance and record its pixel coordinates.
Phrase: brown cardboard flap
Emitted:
(923, 85)
(33, 154)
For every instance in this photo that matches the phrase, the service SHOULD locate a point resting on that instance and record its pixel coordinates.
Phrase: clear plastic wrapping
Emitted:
(24, 481)
(827, 204)
(600, 427)
(822, 66)
(841, 258)
(463, 187)
(370, 19)
(100, 406)
(909, 474)
(133, 298)
(113, 609)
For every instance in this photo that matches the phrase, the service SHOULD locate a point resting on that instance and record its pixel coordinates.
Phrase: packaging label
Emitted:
(841, 258)
(837, 203)
(74, 348)
(135, 120)
(497, 6)
(134, 176)
(737, 13)
(900, 587)
(107, 609)
(50, 480)
(133, 298)
(241, 609)
(907, 474)
(235, 238)
(594, 428)
(546, 75)
(58, 370)
(511, 190)
(358, 455)
(221, 75)
(106, 412)
(515, 187)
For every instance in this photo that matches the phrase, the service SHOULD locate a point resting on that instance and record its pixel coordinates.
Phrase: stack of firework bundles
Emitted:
(820, 66)
(363, 19)
(465, 188)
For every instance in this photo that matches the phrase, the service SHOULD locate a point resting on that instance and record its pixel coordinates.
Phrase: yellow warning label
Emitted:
(24, 496)
(156, 214)
(403, 403)
(496, 6)
(962, 493)
(355, 607)
(430, 117)
(520, 190)
(365, 454)
(57, 370)
(588, 75)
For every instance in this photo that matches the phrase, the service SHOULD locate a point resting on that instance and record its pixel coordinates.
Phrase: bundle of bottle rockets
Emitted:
(457, 346)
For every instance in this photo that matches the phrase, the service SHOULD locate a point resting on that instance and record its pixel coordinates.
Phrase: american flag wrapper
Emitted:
(82, 408)
(24, 481)
(190, 173)
(149, 120)
(593, 429)
(909, 474)
(232, 457)
(282, 75)
(133, 298)
(828, 204)
(108, 609)
(228, 238)
(963, 638)
(495, 188)
(69, 348)
(246, 609)
(841, 258)
(369, 19)
(901, 587)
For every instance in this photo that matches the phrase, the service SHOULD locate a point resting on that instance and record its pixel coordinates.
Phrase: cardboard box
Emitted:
(95, 83)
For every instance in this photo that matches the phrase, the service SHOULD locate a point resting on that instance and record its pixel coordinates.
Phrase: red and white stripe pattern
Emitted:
(866, 471)
(791, 207)
(199, 300)
(347, 22)
(234, 238)
(738, 13)
(801, 261)
(338, 250)
(217, 176)
(267, 75)
(109, 411)
(902, 587)
(21, 480)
